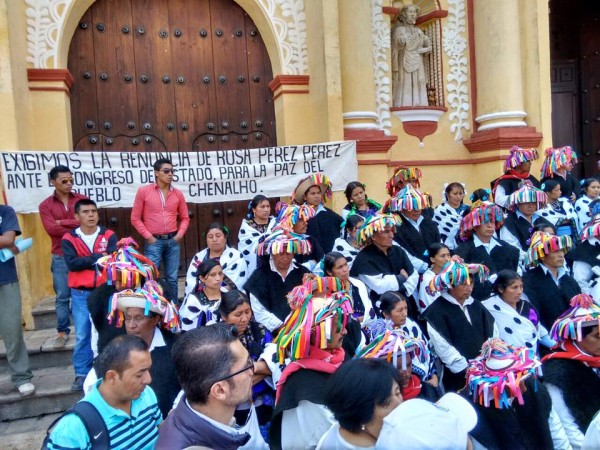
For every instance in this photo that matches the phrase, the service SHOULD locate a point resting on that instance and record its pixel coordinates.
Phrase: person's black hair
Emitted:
(388, 301)
(585, 184)
(115, 355)
(435, 248)
(201, 357)
(206, 266)
(505, 278)
(480, 194)
(549, 185)
(350, 187)
(257, 200)
(329, 261)
(230, 300)
(451, 186)
(83, 202)
(217, 226)
(357, 388)
(159, 163)
(543, 225)
(57, 170)
(351, 221)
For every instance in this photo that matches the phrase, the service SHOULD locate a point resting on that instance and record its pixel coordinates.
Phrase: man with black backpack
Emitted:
(121, 411)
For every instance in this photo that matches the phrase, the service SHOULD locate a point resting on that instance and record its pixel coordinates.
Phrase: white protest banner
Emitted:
(111, 179)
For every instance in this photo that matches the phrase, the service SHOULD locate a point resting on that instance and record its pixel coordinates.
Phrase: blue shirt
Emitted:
(138, 431)
(8, 222)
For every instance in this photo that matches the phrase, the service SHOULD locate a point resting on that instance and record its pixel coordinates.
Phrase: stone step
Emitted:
(41, 351)
(25, 434)
(44, 314)
(53, 394)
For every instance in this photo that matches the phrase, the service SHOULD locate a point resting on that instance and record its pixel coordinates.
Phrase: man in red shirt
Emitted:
(58, 217)
(154, 216)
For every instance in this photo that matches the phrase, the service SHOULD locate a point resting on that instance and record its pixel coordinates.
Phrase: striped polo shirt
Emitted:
(137, 431)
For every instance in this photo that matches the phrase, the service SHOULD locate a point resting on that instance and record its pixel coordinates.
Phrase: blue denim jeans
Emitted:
(167, 250)
(60, 273)
(82, 353)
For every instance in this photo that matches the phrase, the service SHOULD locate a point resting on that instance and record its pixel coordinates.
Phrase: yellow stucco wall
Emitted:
(341, 79)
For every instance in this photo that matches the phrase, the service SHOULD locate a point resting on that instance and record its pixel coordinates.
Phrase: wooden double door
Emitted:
(171, 75)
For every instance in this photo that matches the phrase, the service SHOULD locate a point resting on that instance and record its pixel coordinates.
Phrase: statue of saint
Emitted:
(409, 44)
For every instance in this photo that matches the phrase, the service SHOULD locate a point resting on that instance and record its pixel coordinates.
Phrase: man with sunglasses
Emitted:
(154, 215)
(58, 217)
(215, 372)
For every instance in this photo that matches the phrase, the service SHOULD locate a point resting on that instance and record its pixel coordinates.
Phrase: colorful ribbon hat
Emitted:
(542, 244)
(374, 224)
(527, 193)
(289, 215)
(495, 377)
(582, 313)
(518, 156)
(393, 344)
(127, 265)
(557, 158)
(456, 272)
(409, 199)
(316, 179)
(481, 212)
(403, 174)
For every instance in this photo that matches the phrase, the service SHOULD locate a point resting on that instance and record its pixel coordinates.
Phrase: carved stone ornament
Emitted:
(455, 46)
(381, 43)
(45, 22)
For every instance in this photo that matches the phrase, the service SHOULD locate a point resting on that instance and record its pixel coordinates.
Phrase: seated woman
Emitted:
(514, 409)
(439, 254)
(584, 257)
(233, 264)
(447, 216)
(358, 201)
(200, 306)
(590, 189)
(311, 337)
(347, 244)
(295, 219)
(517, 320)
(235, 310)
(269, 285)
(314, 190)
(257, 223)
(571, 371)
(559, 211)
(360, 395)
(403, 352)
(394, 308)
(336, 265)
(457, 324)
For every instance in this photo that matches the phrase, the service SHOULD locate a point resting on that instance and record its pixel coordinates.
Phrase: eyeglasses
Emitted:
(66, 181)
(168, 171)
(249, 366)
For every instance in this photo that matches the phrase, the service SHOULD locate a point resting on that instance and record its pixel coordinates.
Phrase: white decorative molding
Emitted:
(361, 120)
(45, 20)
(415, 114)
(455, 46)
(503, 118)
(380, 27)
(288, 22)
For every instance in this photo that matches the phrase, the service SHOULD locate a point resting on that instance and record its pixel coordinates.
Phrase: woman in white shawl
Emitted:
(517, 320)
(448, 215)
(257, 223)
(347, 245)
(231, 261)
(559, 211)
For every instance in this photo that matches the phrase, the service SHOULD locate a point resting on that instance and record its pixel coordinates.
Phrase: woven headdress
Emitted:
(283, 241)
(402, 174)
(592, 229)
(542, 244)
(518, 155)
(316, 179)
(409, 199)
(527, 193)
(391, 344)
(373, 224)
(495, 376)
(290, 214)
(318, 305)
(149, 298)
(456, 272)
(127, 265)
(557, 158)
(582, 313)
(481, 212)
